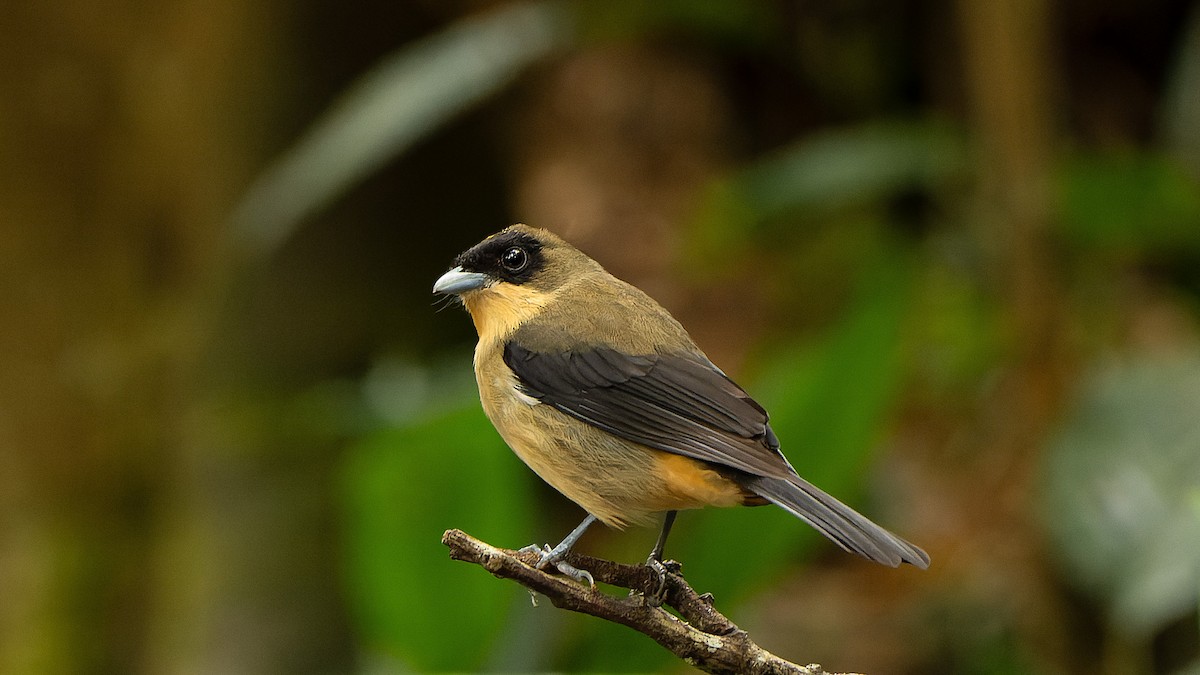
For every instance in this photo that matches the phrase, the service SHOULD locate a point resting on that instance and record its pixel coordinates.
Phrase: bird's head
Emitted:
(508, 277)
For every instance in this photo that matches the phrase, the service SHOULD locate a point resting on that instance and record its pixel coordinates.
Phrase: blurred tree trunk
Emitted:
(1012, 91)
(126, 134)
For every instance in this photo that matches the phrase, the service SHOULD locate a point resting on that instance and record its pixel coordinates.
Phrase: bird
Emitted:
(605, 396)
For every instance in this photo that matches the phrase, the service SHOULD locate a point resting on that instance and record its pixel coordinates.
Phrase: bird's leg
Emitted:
(655, 561)
(554, 556)
(656, 553)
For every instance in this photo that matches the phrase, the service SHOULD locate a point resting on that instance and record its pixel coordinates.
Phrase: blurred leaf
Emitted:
(405, 97)
(852, 165)
(830, 170)
(1121, 480)
(402, 488)
(1130, 201)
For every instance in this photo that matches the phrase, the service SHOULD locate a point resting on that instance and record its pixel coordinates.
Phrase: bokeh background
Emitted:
(954, 247)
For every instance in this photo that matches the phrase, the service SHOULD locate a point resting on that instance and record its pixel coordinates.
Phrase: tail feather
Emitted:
(840, 523)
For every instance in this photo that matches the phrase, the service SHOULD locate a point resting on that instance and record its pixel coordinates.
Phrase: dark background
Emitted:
(953, 247)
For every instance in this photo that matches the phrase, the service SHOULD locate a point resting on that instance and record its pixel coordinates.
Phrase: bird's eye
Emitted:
(514, 259)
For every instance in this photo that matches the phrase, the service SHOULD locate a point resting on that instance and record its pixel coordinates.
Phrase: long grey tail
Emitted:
(842, 524)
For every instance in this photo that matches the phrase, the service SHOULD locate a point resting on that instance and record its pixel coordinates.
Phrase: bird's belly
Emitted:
(618, 481)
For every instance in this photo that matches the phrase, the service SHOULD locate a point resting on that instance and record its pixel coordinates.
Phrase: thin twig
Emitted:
(704, 637)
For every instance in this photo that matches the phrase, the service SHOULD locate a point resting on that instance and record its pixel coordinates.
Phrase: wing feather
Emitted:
(678, 403)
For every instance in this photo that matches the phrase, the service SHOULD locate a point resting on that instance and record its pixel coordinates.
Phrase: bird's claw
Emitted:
(662, 569)
(582, 576)
(544, 551)
(549, 556)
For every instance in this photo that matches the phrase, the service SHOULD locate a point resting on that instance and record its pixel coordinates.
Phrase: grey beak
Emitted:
(458, 281)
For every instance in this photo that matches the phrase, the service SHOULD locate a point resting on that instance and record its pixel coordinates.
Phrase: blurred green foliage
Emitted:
(403, 487)
(1130, 203)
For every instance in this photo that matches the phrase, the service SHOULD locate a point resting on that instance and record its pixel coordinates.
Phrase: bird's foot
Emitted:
(661, 569)
(582, 576)
(554, 556)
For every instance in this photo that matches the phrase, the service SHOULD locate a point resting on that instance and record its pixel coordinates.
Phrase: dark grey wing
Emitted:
(675, 403)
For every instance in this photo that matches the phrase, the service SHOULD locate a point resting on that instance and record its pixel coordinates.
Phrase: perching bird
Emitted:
(604, 395)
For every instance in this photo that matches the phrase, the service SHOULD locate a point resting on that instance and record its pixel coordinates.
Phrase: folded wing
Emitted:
(674, 403)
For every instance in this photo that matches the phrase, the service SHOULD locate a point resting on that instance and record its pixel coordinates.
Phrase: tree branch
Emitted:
(704, 637)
